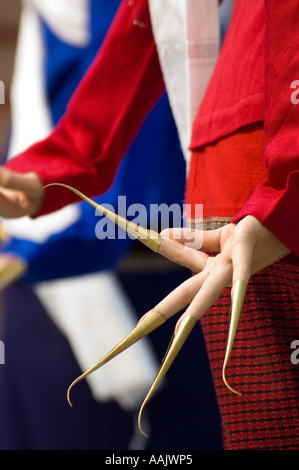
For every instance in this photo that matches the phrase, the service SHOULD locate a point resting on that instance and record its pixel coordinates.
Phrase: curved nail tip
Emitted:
(146, 400)
(140, 427)
(174, 347)
(151, 321)
(229, 386)
(70, 388)
(69, 400)
(238, 294)
(68, 395)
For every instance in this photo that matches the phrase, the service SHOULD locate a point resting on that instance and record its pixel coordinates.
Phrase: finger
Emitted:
(149, 322)
(212, 287)
(182, 296)
(21, 194)
(186, 236)
(12, 204)
(242, 254)
(183, 329)
(206, 240)
(24, 182)
(183, 255)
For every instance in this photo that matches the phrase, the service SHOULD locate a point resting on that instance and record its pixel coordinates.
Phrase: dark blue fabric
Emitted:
(40, 365)
(66, 64)
(153, 171)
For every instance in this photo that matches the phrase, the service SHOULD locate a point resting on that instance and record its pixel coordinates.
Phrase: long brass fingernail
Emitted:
(11, 269)
(152, 320)
(148, 237)
(238, 295)
(175, 345)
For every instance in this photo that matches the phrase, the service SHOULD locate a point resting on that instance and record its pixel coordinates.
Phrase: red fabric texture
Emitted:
(235, 93)
(266, 416)
(223, 174)
(275, 201)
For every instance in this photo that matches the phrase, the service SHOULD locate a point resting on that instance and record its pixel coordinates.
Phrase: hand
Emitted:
(241, 249)
(20, 194)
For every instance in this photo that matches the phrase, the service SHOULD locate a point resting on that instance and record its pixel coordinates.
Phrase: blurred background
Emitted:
(33, 409)
(9, 23)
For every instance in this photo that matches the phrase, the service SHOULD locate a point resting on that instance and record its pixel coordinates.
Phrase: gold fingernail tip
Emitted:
(175, 345)
(11, 270)
(152, 320)
(238, 295)
(148, 237)
(228, 386)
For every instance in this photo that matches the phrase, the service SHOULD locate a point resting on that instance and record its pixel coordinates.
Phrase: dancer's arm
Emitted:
(101, 121)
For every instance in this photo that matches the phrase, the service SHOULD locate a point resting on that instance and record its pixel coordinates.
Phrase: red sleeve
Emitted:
(275, 202)
(104, 115)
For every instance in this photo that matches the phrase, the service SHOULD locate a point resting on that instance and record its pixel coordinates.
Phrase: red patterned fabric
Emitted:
(103, 118)
(266, 416)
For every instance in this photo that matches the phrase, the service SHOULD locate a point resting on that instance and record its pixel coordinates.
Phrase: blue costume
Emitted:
(40, 363)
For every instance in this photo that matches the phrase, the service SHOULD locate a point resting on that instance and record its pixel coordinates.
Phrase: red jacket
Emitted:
(251, 82)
